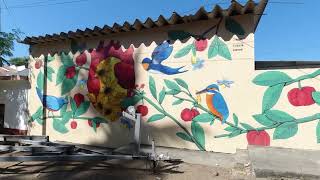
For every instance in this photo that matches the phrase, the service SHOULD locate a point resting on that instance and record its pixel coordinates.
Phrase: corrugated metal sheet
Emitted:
(233, 10)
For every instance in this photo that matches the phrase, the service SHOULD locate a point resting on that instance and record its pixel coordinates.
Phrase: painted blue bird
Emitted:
(159, 54)
(52, 103)
(215, 102)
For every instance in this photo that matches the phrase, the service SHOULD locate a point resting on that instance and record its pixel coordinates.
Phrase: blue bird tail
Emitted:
(178, 69)
(40, 94)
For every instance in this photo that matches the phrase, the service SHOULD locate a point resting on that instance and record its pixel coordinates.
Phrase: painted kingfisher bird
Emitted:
(215, 102)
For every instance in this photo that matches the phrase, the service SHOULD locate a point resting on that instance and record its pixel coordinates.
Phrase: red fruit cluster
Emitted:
(201, 44)
(259, 138)
(78, 98)
(301, 96)
(142, 109)
(188, 114)
(81, 59)
(70, 72)
(38, 64)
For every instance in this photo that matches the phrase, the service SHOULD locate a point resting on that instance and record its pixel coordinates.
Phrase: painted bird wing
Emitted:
(52, 103)
(221, 106)
(161, 52)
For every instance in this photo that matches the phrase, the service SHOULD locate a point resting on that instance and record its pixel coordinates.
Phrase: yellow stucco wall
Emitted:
(244, 98)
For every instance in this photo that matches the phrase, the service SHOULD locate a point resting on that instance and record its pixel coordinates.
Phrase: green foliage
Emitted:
(198, 133)
(83, 108)
(316, 97)
(234, 27)
(7, 44)
(184, 136)
(184, 51)
(218, 47)
(61, 75)
(235, 120)
(177, 102)
(262, 119)
(318, 132)
(271, 97)
(40, 79)
(19, 61)
(152, 87)
(59, 126)
(66, 117)
(37, 116)
(156, 117)
(279, 116)
(271, 78)
(285, 130)
(247, 126)
(181, 83)
(130, 101)
(68, 84)
(50, 71)
(204, 118)
(162, 94)
(172, 85)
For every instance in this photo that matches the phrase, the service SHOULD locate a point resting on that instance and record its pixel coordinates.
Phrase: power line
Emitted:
(42, 4)
(11, 14)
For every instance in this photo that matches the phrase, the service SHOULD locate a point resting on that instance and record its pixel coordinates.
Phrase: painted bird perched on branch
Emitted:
(52, 103)
(159, 54)
(215, 102)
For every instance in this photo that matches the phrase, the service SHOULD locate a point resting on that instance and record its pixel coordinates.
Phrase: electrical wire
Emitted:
(42, 4)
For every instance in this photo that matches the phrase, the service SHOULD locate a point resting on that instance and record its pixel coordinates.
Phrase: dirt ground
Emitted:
(119, 171)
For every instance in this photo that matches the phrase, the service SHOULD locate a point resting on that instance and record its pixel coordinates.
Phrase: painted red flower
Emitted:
(73, 125)
(81, 59)
(142, 109)
(78, 98)
(70, 72)
(38, 64)
(201, 44)
(259, 138)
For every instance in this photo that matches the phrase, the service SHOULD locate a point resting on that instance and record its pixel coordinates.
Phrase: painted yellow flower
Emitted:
(107, 102)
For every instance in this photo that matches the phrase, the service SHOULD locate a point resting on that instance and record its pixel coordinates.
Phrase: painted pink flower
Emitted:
(259, 138)
(70, 72)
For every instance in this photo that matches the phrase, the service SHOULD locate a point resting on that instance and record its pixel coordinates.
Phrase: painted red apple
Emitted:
(70, 72)
(81, 59)
(78, 98)
(301, 96)
(38, 64)
(194, 112)
(186, 115)
(73, 125)
(201, 44)
(259, 138)
(142, 109)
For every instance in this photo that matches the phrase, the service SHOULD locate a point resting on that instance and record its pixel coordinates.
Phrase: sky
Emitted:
(289, 30)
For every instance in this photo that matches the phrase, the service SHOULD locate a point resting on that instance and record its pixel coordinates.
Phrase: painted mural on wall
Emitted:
(110, 79)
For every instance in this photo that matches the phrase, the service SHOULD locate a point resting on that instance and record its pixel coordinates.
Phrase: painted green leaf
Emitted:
(235, 120)
(193, 50)
(130, 101)
(40, 79)
(173, 92)
(162, 94)
(63, 109)
(69, 84)
(37, 116)
(218, 47)
(61, 75)
(247, 126)
(285, 130)
(316, 97)
(212, 121)
(198, 133)
(234, 27)
(172, 85)
(179, 34)
(152, 87)
(50, 58)
(99, 120)
(262, 119)
(59, 126)
(204, 118)
(271, 78)
(66, 117)
(279, 116)
(50, 71)
(230, 129)
(66, 60)
(271, 96)
(83, 108)
(184, 51)
(73, 105)
(156, 117)
(181, 83)
(184, 136)
(178, 101)
(234, 133)
(318, 132)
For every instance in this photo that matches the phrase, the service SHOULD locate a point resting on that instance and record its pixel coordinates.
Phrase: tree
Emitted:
(7, 44)
(19, 61)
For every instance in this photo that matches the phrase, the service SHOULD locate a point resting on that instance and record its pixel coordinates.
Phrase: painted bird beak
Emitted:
(145, 66)
(202, 91)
